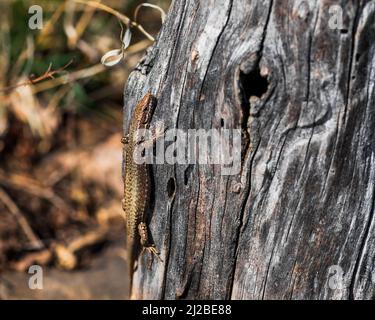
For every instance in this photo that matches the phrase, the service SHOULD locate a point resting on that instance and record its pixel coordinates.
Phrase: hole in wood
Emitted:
(253, 84)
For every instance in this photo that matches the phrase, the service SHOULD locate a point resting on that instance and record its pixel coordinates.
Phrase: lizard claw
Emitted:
(154, 252)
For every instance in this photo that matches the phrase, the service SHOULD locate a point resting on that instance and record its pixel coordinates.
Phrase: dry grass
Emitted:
(60, 123)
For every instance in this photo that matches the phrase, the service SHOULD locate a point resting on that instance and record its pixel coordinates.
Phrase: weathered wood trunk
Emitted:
(302, 208)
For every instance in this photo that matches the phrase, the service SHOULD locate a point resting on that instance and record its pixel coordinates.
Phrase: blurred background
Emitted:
(60, 150)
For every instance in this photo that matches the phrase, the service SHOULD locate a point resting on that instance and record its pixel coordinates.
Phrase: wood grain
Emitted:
(304, 94)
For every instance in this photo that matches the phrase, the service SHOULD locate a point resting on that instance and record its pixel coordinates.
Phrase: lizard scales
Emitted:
(137, 184)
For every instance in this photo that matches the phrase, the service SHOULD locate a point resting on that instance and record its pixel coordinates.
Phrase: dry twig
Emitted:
(119, 15)
(22, 221)
(31, 186)
(66, 255)
(48, 74)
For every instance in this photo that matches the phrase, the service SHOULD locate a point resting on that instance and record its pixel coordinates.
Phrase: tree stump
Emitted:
(298, 221)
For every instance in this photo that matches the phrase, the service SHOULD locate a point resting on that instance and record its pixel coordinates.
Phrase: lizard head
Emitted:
(145, 108)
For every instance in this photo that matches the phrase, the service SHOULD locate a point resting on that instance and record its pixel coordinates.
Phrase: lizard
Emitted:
(137, 186)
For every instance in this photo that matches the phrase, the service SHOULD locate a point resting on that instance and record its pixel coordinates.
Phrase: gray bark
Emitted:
(304, 96)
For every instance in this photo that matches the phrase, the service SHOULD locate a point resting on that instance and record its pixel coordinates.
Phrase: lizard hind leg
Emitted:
(146, 246)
